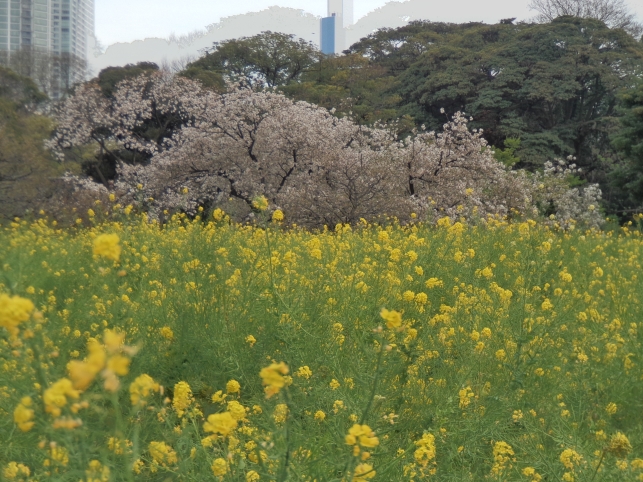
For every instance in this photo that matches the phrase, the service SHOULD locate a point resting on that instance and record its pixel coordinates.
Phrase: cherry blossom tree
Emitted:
(320, 169)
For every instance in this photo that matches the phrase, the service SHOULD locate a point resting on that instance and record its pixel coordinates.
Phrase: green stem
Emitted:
(283, 472)
(370, 401)
(119, 429)
(375, 382)
(598, 466)
(275, 293)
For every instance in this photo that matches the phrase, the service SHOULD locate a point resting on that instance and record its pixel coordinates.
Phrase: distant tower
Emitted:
(60, 30)
(349, 18)
(340, 16)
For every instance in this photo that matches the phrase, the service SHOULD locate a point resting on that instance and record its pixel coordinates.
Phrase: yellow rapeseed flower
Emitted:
(237, 410)
(118, 364)
(252, 476)
(465, 395)
(569, 458)
(426, 449)
(278, 215)
(304, 372)
(363, 472)
(13, 311)
(280, 414)
(167, 333)
(55, 397)
(14, 470)
(82, 373)
(218, 214)
(219, 467)
(58, 455)
(532, 474)
(97, 472)
(502, 455)
(272, 378)
(232, 386)
(222, 423)
(434, 283)
(162, 454)
(260, 203)
(107, 246)
(182, 397)
(23, 415)
(141, 388)
(361, 435)
(393, 318)
(619, 445)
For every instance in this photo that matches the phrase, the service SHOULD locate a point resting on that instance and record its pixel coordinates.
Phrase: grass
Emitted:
(517, 357)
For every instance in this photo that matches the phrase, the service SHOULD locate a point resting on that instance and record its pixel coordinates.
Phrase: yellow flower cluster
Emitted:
(272, 378)
(55, 397)
(393, 318)
(82, 373)
(260, 203)
(162, 455)
(14, 310)
(219, 467)
(97, 472)
(304, 372)
(502, 456)
(570, 458)
(141, 388)
(361, 437)
(15, 471)
(220, 423)
(107, 246)
(182, 397)
(619, 445)
(23, 415)
(232, 387)
(491, 335)
(425, 452)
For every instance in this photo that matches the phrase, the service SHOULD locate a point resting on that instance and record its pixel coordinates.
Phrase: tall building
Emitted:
(57, 33)
(340, 16)
(343, 9)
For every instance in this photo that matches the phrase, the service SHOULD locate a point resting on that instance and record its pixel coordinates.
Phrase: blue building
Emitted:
(340, 16)
(328, 30)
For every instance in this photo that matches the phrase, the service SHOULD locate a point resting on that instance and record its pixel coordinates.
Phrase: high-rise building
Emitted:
(343, 9)
(340, 16)
(56, 32)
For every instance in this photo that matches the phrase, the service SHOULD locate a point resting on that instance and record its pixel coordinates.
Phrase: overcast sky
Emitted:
(127, 20)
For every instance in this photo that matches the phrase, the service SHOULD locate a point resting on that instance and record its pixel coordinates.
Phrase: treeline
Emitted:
(28, 172)
(569, 88)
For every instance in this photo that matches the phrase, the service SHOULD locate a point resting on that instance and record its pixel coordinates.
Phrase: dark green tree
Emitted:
(349, 83)
(269, 59)
(629, 142)
(554, 86)
(397, 49)
(109, 77)
(27, 170)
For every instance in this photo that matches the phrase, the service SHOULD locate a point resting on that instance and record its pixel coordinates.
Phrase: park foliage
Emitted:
(206, 350)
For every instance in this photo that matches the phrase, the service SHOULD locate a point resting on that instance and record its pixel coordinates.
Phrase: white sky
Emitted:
(127, 20)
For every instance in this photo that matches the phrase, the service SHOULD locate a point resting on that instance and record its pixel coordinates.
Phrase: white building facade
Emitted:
(61, 31)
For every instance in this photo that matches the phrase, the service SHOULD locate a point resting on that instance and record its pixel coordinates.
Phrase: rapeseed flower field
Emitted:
(206, 350)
